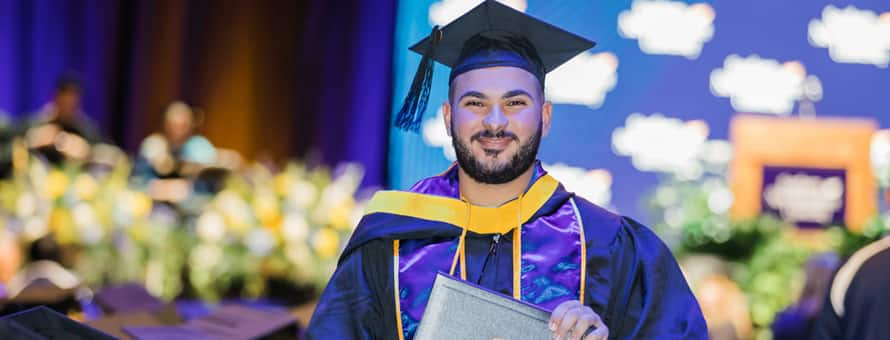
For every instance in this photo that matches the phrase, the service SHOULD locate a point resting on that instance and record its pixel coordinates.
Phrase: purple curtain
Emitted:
(341, 83)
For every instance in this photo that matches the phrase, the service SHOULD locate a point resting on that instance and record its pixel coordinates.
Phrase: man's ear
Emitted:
(446, 114)
(546, 114)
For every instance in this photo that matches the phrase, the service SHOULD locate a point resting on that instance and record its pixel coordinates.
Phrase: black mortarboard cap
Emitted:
(489, 35)
(44, 323)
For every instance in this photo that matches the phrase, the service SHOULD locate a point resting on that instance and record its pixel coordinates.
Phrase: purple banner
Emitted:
(807, 197)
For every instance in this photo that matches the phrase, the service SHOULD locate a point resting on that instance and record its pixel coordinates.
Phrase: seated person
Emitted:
(61, 130)
(177, 152)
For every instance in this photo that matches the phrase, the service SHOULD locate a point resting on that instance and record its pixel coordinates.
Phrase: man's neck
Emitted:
(492, 195)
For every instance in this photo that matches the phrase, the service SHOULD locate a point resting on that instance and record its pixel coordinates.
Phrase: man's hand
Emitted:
(573, 319)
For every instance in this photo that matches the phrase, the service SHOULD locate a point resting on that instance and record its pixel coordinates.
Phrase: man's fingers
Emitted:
(582, 325)
(600, 333)
(568, 322)
(560, 312)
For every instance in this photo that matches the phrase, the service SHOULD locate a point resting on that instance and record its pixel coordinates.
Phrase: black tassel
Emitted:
(410, 116)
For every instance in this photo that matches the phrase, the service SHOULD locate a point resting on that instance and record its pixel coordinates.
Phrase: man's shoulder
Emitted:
(601, 226)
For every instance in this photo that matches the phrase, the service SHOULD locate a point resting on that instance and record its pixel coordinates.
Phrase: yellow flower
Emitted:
(56, 184)
(326, 243)
(341, 214)
(62, 225)
(282, 184)
(237, 213)
(265, 205)
(85, 187)
(141, 204)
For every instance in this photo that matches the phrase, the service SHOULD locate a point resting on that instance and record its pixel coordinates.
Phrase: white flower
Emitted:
(87, 224)
(259, 242)
(880, 156)
(583, 80)
(443, 12)
(26, 205)
(759, 85)
(659, 143)
(720, 198)
(36, 227)
(234, 207)
(211, 227)
(668, 27)
(294, 228)
(853, 35)
(205, 255)
(301, 195)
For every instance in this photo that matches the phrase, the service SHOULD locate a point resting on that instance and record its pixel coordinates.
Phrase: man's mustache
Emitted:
(494, 134)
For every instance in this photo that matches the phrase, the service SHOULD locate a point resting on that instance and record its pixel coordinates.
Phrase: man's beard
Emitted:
(519, 163)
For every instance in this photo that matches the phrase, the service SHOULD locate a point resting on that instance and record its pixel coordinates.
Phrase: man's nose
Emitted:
(495, 120)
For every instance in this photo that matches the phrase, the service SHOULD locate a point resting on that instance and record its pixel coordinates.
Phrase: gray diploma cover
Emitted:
(460, 310)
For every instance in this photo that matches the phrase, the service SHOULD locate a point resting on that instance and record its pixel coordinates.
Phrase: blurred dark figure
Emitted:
(7, 134)
(797, 321)
(858, 303)
(60, 130)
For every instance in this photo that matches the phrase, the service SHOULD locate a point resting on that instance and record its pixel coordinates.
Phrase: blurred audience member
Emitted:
(61, 130)
(858, 303)
(725, 308)
(7, 133)
(797, 321)
(177, 152)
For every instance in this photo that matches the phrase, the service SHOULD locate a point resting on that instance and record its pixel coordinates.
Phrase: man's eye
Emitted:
(515, 102)
(473, 103)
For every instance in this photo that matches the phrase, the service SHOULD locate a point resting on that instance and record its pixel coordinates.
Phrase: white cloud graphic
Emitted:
(663, 144)
(435, 135)
(754, 84)
(583, 80)
(853, 35)
(668, 27)
(443, 12)
(593, 185)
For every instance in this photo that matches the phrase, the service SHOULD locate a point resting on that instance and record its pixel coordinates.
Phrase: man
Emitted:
(496, 218)
(61, 130)
(178, 150)
(169, 161)
(856, 306)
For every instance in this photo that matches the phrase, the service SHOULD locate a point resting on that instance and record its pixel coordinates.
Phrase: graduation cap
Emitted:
(42, 282)
(489, 35)
(43, 323)
(131, 305)
(127, 298)
(233, 321)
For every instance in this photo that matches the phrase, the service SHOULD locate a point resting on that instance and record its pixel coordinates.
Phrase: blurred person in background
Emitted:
(858, 301)
(797, 321)
(177, 152)
(60, 130)
(7, 134)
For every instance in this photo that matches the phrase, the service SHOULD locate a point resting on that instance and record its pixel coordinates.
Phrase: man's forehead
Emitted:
(495, 80)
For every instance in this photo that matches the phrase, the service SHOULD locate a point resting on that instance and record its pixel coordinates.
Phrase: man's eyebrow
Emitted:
(475, 94)
(517, 92)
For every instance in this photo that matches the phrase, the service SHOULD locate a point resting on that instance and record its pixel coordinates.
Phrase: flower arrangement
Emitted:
(262, 230)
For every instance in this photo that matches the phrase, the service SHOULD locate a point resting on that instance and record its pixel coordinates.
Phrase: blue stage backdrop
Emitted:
(656, 96)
